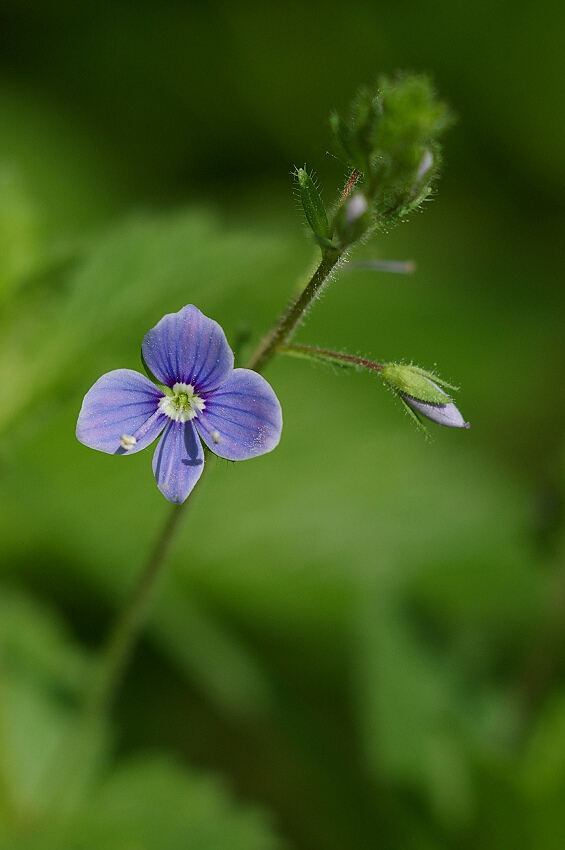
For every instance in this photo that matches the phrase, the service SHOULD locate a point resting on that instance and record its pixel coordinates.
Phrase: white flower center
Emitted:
(183, 405)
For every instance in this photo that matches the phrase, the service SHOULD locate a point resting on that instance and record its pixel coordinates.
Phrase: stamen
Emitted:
(215, 435)
(127, 441)
(183, 405)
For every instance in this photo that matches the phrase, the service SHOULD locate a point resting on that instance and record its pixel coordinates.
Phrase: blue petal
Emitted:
(178, 461)
(242, 419)
(122, 402)
(442, 414)
(189, 348)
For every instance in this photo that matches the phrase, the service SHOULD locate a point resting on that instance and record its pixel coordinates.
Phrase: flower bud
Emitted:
(391, 138)
(355, 208)
(426, 164)
(443, 414)
(421, 391)
(353, 220)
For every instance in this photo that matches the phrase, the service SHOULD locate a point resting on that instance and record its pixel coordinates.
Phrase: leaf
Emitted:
(156, 804)
(37, 646)
(41, 674)
(141, 269)
(20, 243)
(408, 707)
(211, 655)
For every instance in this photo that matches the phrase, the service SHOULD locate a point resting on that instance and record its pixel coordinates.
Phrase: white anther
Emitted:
(127, 441)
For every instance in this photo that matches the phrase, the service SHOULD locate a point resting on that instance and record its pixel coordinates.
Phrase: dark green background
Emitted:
(360, 635)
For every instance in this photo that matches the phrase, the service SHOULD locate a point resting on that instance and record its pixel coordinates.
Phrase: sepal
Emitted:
(312, 204)
(417, 383)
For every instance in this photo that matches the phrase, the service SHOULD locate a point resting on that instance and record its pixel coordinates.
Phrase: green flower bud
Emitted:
(391, 137)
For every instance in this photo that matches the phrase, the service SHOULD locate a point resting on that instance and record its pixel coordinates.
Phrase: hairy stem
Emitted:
(282, 331)
(310, 351)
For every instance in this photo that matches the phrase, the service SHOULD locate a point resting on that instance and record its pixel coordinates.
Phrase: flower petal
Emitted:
(189, 348)
(442, 414)
(121, 403)
(242, 419)
(178, 461)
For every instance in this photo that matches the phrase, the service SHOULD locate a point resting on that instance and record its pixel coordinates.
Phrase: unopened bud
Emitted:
(426, 164)
(421, 391)
(353, 220)
(355, 208)
(443, 414)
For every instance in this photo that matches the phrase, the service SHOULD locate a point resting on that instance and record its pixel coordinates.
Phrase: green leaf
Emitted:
(156, 804)
(141, 269)
(41, 680)
(408, 708)
(20, 240)
(212, 656)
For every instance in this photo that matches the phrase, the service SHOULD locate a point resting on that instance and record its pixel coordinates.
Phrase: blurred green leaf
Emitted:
(158, 805)
(409, 711)
(20, 240)
(212, 655)
(154, 803)
(42, 674)
(36, 645)
(141, 269)
(543, 766)
(151, 802)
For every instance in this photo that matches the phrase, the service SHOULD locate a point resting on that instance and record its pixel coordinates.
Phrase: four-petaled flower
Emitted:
(197, 395)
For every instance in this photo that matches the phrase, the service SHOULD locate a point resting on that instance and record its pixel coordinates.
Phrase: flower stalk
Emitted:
(325, 355)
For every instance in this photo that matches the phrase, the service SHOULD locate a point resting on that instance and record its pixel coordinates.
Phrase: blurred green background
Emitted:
(359, 639)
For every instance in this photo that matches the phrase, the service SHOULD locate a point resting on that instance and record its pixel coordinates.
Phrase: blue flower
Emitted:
(197, 395)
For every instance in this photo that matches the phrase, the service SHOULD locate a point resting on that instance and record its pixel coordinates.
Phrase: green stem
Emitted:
(282, 331)
(336, 357)
(122, 639)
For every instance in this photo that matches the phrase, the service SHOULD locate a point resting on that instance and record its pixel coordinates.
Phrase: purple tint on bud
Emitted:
(443, 414)
(426, 163)
(355, 208)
